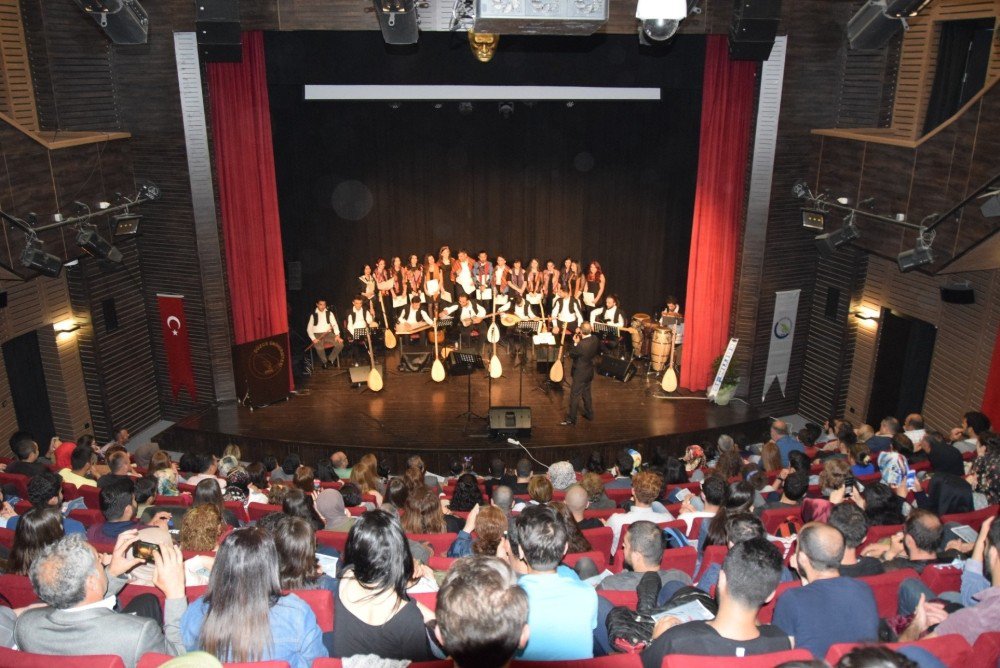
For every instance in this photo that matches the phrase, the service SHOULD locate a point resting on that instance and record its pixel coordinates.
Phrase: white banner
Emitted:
(723, 367)
(779, 354)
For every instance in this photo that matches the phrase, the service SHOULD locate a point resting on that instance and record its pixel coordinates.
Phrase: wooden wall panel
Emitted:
(962, 351)
(17, 98)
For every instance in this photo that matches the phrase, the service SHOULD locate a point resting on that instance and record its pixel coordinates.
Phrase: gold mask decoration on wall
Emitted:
(483, 45)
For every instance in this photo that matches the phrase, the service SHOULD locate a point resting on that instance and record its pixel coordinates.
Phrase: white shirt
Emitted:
(466, 312)
(612, 316)
(567, 308)
(107, 602)
(621, 520)
(915, 435)
(358, 319)
(320, 323)
(464, 277)
(415, 316)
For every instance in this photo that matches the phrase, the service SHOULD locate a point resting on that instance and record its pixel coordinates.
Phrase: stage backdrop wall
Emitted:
(607, 180)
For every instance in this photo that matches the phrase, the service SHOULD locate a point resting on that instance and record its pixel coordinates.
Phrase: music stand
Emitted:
(464, 364)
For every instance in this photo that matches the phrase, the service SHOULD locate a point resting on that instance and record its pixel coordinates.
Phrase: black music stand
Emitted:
(463, 364)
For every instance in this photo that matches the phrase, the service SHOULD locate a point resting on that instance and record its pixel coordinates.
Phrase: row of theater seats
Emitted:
(952, 650)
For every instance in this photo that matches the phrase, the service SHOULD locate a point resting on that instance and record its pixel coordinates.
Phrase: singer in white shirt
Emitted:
(325, 334)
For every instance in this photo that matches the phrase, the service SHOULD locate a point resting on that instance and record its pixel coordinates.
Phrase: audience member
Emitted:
(804, 612)
(882, 505)
(26, 462)
(596, 495)
(80, 593)
(201, 529)
(523, 475)
(646, 488)
(785, 442)
(643, 550)
(286, 472)
(575, 539)
(770, 458)
(330, 506)
(916, 546)
(166, 482)
(258, 483)
(913, 427)
(860, 459)
(373, 611)
(498, 476)
(39, 527)
(209, 491)
(299, 568)
(118, 469)
(481, 613)
(749, 577)
(985, 474)
(561, 475)
(694, 461)
(577, 502)
(81, 462)
(424, 515)
(489, 524)
(850, 521)
(975, 426)
(624, 467)
(365, 476)
(244, 616)
(883, 437)
(467, 494)
(299, 504)
(943, 456)
(739, 499)
(119, 508)
(206, 469)
(45, 489)
(539, 490)
(341, 465)
(793, 486)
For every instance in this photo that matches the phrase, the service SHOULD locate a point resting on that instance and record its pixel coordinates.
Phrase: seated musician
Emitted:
(325, 334)
(673, 309)
(609, 314)
(411, 318)
(358, 318)
(566, 312)
(523, 311)
(468, 318)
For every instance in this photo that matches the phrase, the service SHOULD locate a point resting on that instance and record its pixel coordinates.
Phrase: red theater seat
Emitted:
(238, 510)
(877, 533)
(183, 500)
(439, 542)
(986, 650)
(20, 483)
(88, 517)
(603, 513)
(7, 538)
(713, 554)
(618, 561)
(886, 589)
(619, 496)
(766, 613)
(761, 660)
(91, 497)
(12, 658)
(600, 560)
(600, 539)
(942, 578)
(156, 660)
(18, 590)
(974, 519)
(952, 649)
(629, 599)
(775, 517)
(259, 510)
(427, 599)
(334, 539)
(682, 558)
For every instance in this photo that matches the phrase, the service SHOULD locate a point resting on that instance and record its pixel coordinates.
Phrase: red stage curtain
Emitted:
(991, 398)
(244, 166)
(726, 111)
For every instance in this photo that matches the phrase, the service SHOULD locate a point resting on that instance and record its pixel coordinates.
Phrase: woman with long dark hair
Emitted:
(243, 616)
(739, 499)
(295, 540)
(208, 491)
(467, 494)
(299, 504)
(424, 515)
(373, 611)
(37, 528)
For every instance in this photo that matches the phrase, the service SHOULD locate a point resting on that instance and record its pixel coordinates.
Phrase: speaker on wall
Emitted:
(961, 293)
(124, 21)
(218, 29)
(510, 421)
(754, 26)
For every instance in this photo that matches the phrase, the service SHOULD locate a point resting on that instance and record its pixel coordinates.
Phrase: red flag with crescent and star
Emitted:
(176, 343)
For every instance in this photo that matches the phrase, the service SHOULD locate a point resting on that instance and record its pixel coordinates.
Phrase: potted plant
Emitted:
(729, 382)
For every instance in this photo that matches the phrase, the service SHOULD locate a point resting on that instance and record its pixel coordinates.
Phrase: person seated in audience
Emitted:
(913, 427)
(62, 451)
(365, 476)
(45, 489)
(982, 612)
(39, 527)
(26, 462)
(119, 507)
(577, 503)
(947, 494)
(808, 436)
(243, 616)
(738, 499)
(850, 521)
(7, 513)
(740, 527)
(864, 432)
(985, 472)
(770, 457)
(237, 486)
(833, 475)
(623, 469)
(749, 578)
(373, 611)
(424, 514)
(209, 491)
(286, 472)
(597, 497)
(694, 460)
(882, 506)
(206, 470)
(562, 610)
(299, 504)
(643, 550)
(396, 493)
(792, 486)
(489, 525)
(975, 426)
(503, 498)
(729, 465)
(352, 497)
(430, 480)
(880, 656)
(68, 576)
(159, 461)
(467, 494)
(305, 479)
(646, 488)
(916, 546)
(879, 443)
(576, 540)
(227, 464)
(299, 568)
(522, 476)
(82, 461)
(860, 459)
(166, 482)
(325, 471)
(498, 476)
(943, 457)
(805, 612)
(329, 505)
(561, 475)
(481, 613)
(673, 473)
(119, 467)
(539, 491)
(145, 493)
(258, 483)
(786, 443)
(341, 465)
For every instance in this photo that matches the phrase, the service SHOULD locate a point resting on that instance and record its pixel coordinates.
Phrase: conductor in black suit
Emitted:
(586, 347)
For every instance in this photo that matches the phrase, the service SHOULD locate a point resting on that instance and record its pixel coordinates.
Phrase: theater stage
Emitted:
(412, 414)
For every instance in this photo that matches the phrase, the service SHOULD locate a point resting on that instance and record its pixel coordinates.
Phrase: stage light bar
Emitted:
(465, 93)
(813, 219)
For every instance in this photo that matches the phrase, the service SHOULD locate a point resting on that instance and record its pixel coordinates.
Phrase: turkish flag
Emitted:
(176, 343)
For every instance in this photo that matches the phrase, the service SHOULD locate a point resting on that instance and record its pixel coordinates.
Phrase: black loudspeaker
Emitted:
(754, 26)
(958, 294)
(414, 361)
(545, 357)
(218, 28)
(398, 21)
(124, 21)
(616, 368)
(359, 375)
(510, 421)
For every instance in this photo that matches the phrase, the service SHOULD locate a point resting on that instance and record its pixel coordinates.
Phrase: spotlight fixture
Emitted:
(149, 191)
(861, 314)
(81, 209)
(659, 19)
(801, 190)
(827, 243)
(126, 224)
(921, 255)
(814, 219)
(89, 240)
(102, 205)
(33, 257)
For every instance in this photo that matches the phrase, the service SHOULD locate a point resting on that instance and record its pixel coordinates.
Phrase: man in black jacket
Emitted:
(586, 347)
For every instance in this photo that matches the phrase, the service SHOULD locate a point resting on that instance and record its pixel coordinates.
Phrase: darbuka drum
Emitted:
(639, 322)
(659, 350)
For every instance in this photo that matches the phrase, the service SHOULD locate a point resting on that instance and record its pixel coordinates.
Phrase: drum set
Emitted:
(651, 341)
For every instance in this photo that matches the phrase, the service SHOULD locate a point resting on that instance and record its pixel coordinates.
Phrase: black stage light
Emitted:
(33, 257)
(126, 224)
(920, 256)
(89, 240)
(813, 219)
(827, 243)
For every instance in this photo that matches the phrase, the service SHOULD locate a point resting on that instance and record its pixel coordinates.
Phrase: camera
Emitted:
(143, 550)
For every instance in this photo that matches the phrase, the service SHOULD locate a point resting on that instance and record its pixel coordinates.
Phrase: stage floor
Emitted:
(413, 414)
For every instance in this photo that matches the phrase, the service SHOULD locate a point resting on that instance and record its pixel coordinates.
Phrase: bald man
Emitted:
(785, 442)
(828, 609)
(577, 501)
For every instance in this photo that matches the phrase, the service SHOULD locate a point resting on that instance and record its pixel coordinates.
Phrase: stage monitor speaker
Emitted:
(123, 21)
(510, 421)
(218, 30)
(614, 367)
(359, 375)
(958, 294)
(754, 26)
(414, 360)
(545, 357)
